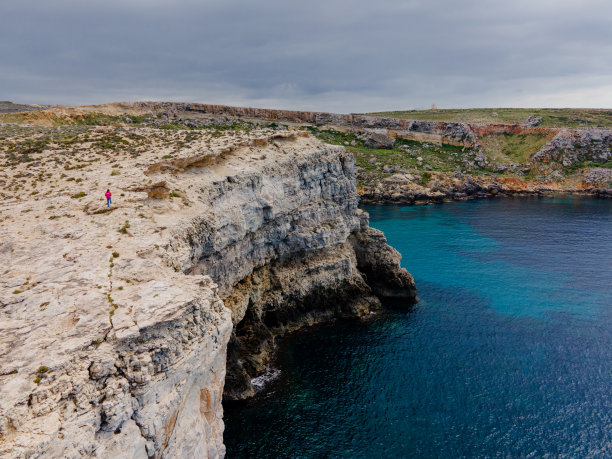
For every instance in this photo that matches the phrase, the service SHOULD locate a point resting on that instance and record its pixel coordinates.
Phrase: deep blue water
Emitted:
(508, 353)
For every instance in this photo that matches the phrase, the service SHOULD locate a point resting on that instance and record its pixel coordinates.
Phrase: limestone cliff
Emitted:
(288, 246)
(115, 323)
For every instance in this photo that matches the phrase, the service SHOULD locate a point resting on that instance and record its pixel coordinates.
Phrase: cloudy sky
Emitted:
(332, 55)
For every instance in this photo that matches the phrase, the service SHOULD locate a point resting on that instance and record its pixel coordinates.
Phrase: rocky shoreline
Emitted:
(407, 189)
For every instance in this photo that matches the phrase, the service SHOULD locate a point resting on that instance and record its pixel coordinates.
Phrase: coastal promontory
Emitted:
(122, 326)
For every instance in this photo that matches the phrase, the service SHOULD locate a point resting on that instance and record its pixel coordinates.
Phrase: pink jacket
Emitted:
(107, 194)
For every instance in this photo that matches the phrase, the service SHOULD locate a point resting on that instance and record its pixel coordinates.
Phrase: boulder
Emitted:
(390, 169)
(533, 121)
(501, 168)
(380, 141)
(397, 179)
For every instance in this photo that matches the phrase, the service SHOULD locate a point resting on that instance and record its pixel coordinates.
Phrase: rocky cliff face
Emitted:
(571, 147)
(288, 246)
(115, 323)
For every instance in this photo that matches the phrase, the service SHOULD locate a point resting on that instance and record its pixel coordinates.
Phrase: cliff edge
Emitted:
(118, 323)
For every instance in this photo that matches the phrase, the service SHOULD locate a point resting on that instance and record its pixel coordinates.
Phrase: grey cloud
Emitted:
(326, 55)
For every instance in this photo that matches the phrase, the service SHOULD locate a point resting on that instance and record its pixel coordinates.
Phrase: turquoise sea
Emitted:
(507, 354)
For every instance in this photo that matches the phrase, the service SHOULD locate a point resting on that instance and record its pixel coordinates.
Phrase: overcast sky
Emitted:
(325, 55)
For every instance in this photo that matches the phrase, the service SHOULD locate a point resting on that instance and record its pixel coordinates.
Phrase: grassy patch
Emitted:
(512, 147)
(405, 154)
(587, 165)
(99, 119)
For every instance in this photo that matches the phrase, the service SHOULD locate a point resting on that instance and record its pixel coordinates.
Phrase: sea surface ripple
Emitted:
(508, 353)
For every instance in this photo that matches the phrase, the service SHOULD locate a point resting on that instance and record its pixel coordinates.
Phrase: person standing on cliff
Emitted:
(108, 198)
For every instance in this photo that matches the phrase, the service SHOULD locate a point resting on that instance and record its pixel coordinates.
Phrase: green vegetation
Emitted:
(217, 128)
(407, 155)
(102, 119)
(585, 165)
(80, 194)
(98, 119)
(124, 228)
(418, 158)
(42, 369)
(91, 119)
(115, 254)
(506, 148)
(102, 211)
(551, 117)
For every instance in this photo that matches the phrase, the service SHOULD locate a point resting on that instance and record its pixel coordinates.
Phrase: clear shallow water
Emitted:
(509, 352)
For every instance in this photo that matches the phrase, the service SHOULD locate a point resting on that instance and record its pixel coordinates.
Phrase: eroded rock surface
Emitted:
(569, 147)
(115, 322)
(380, 141)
